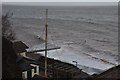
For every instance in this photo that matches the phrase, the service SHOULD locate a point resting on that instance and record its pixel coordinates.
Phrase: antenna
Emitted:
(46, 25)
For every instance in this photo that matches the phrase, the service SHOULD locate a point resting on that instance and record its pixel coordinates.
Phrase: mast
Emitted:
(46, 25)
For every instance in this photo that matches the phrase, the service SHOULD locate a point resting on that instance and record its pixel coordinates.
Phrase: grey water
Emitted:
(70, 26)
(86, 13)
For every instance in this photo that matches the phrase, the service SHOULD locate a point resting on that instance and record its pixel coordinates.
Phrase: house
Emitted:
(29, 69)
(110, 74)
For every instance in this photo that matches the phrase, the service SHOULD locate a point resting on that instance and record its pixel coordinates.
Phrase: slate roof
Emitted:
(19, 47)
(112, 73)
(24, 64)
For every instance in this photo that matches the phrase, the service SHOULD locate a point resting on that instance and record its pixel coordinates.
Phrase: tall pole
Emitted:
(46, 25)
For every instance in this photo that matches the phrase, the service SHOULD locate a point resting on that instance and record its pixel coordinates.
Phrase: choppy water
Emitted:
(96, 13)
(86, 34)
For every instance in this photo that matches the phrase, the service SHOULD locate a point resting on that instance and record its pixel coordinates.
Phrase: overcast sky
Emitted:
(62, 2)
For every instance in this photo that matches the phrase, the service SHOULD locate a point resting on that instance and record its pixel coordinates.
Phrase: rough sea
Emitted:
(86, 34)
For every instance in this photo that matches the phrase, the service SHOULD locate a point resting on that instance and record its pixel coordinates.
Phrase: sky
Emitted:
(60, 0)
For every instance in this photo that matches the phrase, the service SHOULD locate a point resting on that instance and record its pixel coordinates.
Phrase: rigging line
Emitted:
(52, 41)
(42, 33)
(51, 37)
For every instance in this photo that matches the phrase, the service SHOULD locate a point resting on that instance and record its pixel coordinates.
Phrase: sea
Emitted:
(86, 34)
